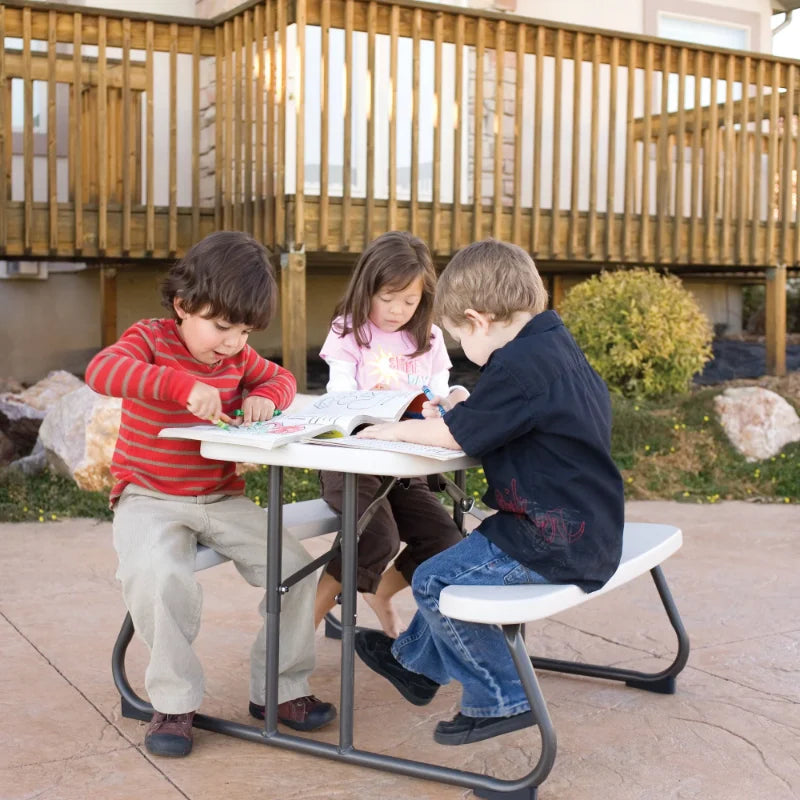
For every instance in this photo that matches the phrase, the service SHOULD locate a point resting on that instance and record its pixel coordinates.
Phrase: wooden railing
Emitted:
(127, 137)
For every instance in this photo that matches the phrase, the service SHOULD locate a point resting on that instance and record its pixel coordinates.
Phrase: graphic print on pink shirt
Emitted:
(387, 362)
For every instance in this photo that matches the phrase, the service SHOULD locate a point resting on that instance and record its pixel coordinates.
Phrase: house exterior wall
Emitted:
(55, 323)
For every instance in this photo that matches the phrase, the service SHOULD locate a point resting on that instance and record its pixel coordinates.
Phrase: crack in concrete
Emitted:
(776, 695)
(94, 706)
(752, 744)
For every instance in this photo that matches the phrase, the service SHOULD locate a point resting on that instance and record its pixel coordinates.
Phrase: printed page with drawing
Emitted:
(341, 412)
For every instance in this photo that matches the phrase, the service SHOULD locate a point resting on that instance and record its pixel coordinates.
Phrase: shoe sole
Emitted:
(503, 725)
(367, 658)
(166, 751)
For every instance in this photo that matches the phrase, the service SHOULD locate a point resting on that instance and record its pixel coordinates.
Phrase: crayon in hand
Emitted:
(430, 395)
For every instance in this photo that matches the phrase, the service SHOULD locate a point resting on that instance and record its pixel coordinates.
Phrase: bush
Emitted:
(643, 332)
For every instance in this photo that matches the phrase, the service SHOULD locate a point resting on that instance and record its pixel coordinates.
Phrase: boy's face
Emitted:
(480, 335)
(474, 339)
(210, 340)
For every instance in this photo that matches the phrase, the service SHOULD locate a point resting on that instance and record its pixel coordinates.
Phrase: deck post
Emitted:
(776, 320)
(293, 314)
(108, 306)
(556, 291)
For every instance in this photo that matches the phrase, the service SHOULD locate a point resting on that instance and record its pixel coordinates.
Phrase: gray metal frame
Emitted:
(524, 788)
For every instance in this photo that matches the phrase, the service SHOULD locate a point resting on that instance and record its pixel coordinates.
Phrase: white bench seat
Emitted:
(645, 545)
(304, 520)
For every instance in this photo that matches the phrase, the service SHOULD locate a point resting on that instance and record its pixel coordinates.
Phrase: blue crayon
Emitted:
(430, 395)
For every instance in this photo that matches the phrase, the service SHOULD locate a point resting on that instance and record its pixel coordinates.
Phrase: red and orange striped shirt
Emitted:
(153, 372)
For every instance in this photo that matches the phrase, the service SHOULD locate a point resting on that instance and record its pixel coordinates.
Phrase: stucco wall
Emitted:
(47, 325)
(55, 323)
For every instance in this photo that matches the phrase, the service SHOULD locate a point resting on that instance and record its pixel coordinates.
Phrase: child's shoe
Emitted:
(303, 713)
(169, 734)
(375, 650)
(464, 730)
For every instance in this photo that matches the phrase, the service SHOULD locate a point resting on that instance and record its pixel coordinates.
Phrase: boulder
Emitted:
(21, 413)
(7, 449)
(79, 434)
(32, 464)
(758, 422)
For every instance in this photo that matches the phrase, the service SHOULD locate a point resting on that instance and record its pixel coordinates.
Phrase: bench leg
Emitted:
(133, 706)
(526, 788)
(662, 682)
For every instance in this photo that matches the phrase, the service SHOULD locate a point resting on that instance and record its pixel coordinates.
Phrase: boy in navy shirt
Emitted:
(540, 421)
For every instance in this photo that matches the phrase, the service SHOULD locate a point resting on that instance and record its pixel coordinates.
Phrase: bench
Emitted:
(304, 520)
(645, 546)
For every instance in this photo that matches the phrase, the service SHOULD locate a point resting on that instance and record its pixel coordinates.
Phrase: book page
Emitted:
(345, 410)
(268, 434)
(429, 451)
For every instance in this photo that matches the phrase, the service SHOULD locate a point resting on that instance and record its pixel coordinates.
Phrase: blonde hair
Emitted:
(492, 277)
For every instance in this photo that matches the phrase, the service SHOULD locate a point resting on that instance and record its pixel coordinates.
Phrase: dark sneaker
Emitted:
(464, 730)
(375, 650)
(169, 734)
(303, 713)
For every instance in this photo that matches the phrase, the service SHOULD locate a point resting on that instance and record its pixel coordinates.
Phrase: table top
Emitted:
(338, 459)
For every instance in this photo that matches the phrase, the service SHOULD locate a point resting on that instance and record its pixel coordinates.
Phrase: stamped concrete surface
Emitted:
(732, 730)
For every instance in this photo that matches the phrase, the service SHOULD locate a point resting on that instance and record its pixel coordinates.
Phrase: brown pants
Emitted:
(413, 515)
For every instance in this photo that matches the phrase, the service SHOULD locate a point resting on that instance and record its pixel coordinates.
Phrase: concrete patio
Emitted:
(732, 730)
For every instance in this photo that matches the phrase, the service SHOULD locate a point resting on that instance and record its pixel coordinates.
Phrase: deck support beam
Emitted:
(556, 291)
(108, 306)
(776, 320)
(293, 314)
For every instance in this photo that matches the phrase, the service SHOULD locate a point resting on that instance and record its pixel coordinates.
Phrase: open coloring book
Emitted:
(341, 412)
(429, 451)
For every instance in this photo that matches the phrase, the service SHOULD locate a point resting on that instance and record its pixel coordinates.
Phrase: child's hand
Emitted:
(257, 409)
(205, 402)
(388, 431)
(430, 408)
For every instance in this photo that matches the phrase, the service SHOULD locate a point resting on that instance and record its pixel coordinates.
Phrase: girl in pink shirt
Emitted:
(382, 337)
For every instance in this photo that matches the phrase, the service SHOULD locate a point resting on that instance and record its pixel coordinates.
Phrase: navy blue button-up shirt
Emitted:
(540, 421)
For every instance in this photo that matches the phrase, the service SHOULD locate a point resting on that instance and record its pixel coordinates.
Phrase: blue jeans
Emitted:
(475, 655)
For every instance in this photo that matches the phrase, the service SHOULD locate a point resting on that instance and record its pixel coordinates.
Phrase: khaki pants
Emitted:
(156, 537)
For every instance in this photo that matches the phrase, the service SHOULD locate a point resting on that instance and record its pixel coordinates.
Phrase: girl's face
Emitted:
(210, 340)
(391, 309)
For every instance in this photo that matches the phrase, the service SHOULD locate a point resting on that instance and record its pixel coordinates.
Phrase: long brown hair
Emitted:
(391, 261)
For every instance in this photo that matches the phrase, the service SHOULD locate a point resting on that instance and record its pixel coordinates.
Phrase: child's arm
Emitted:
(269, 386)
(127, 369)
(341, 376)
(432, 432)
(341, 354)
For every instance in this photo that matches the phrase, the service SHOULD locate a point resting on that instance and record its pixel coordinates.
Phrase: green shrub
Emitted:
(643, 332)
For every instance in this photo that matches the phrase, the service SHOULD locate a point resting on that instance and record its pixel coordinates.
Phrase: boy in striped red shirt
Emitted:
(168, 498)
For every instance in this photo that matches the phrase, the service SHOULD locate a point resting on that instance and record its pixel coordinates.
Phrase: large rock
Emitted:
(32, 464)
(79, 434)
(21, 413)
(758, 422)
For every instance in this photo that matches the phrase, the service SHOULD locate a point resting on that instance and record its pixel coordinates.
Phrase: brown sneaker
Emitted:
(303, 713)
(169, 734)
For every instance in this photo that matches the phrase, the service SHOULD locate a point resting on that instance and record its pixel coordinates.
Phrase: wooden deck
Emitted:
(320, 124)
(577, 243)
